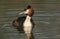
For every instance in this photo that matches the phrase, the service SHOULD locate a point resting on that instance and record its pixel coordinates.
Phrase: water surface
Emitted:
(46, 18)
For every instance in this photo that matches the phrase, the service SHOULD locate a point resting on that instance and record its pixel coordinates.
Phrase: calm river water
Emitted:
(46, 18)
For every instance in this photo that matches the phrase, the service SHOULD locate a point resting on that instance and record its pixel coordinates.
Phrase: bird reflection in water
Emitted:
(30, 36)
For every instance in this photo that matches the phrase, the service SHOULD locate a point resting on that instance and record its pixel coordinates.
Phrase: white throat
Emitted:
(27, 21)
(28, 18)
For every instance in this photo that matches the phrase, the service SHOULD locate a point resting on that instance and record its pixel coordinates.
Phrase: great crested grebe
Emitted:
(25, 23)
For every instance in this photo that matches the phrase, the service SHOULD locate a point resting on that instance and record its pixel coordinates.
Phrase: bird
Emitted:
(25, 23)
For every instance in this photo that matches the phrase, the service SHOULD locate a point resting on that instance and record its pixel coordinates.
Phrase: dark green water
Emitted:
(46, 18)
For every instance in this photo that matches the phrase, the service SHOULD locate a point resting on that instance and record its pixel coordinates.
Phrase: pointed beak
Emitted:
(21, 13)
(24, 12)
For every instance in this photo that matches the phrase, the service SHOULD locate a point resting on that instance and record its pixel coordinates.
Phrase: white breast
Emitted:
(27, 25)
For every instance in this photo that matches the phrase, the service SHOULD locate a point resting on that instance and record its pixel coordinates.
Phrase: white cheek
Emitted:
(27, 11)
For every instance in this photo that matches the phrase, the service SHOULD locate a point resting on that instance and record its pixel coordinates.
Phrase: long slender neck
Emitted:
(28, 18)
